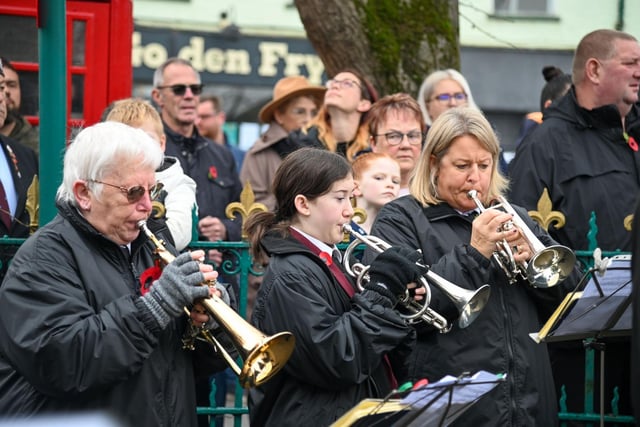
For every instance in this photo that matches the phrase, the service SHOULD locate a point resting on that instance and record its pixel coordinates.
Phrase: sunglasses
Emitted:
(135, 193)
(180, 90)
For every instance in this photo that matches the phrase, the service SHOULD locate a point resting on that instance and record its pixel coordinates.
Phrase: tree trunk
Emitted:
(394, 43)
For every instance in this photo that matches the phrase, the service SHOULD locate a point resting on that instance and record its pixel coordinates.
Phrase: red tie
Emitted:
(333, 263)
(5, 212)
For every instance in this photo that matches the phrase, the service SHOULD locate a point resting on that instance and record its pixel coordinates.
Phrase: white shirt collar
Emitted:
(319, 243)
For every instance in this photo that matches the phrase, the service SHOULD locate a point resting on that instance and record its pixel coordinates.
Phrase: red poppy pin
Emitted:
(326, 257)
(149, 276)
(631, 141)
(213, 173)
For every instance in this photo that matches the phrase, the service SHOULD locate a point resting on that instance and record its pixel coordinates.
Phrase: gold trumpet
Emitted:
(547, 267)
(468, 303)
(263, 355)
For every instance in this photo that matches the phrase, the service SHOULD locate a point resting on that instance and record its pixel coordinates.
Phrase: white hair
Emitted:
(99, 150)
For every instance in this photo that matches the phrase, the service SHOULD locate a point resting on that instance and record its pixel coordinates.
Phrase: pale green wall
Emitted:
(477, 28)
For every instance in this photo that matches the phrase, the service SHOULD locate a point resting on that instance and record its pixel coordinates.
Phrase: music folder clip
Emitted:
(436, 404)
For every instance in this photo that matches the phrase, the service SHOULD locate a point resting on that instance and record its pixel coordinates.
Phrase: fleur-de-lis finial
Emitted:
(544, 215)
(245, 207)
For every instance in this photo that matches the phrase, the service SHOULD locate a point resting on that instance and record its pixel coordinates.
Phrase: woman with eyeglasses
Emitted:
(340, 124)
(396, 127)
(445, 89)
(80, 327)
(458, 240)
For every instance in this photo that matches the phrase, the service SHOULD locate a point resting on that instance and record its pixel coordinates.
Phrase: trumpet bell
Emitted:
(550, 266)
(266, 359)
(471, 305)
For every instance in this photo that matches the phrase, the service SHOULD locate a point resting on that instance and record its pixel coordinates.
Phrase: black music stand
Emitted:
(437, 404)
(601, 310)
(604, 309)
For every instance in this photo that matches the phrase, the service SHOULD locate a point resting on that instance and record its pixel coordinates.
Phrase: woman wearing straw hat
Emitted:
(295, 102)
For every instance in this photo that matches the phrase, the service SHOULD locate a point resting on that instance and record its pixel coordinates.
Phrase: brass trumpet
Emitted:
(547, 267)
(263, 355)
(468, 303)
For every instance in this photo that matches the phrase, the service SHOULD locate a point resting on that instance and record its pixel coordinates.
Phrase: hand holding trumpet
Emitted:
(180, 286)
(493, 228)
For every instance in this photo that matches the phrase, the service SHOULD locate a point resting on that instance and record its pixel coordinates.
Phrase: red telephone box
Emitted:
(98, 54)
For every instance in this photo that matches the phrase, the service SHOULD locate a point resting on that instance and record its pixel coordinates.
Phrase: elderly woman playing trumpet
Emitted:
(458, 240)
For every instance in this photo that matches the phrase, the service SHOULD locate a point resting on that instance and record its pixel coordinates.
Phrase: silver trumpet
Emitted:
(468, 303)
(547, 267)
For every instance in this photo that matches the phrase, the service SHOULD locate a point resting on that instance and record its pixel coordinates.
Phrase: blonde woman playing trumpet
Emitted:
(461, 154)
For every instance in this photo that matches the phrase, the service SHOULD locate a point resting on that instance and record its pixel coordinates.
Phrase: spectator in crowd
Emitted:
(558, 84)
(19, 166)
(377, 180)
(397, 127)
(177, 199)
(294, 103)
(437, 218)
(343, 337)
(340, 125)
(585, 155)
(79, 330)
(176, 91)
(445, 89)
(210, 123)
(15, 125)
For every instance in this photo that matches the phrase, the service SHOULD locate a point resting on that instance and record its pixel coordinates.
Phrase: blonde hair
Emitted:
(363, 162)
(451, 125)
(135, 112)
(323, 123)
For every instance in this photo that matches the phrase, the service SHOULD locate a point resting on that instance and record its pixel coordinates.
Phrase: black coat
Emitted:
(74, 334)
(498, 340)
(340, 341)
(213, 168)
(582, 158)
(23, 164)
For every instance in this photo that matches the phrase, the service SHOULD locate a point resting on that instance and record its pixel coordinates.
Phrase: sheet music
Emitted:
(449, 397)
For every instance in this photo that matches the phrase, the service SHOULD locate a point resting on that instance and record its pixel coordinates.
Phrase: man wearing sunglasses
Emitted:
(88, 321)
(176, 91)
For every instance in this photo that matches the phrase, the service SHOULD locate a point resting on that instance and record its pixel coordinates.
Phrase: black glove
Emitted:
(177, 287)
(393, 269)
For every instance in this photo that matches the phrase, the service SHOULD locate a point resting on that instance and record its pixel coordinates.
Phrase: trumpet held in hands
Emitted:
(547, 267)
(468, 303)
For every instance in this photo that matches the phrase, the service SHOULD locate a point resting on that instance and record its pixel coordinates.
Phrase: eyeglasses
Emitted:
(342, 84)
(136, 192)
(446, 97)
(394, 138)
(180, 90)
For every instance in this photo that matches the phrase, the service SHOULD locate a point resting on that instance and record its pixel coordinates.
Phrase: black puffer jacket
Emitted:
(340, 341)
(498, 340)
(582, 158)
(73, 337)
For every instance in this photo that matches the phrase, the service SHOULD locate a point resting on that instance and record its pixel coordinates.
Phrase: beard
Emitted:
(12, 117)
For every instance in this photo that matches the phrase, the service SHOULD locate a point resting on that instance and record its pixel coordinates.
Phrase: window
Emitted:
(524, 8)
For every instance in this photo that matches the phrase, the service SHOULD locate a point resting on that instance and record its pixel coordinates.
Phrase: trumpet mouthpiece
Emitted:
(347, 228)
(142, 223)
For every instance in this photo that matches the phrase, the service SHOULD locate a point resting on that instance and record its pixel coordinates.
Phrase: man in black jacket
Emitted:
(585, 153)
(19, 203)
(80, 328)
